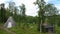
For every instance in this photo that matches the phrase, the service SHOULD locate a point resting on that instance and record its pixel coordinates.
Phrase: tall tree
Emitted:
(11, 7)
(23, 9)
(41, 11)
(2, 12)
(15, 10)
(50, 10)
(45, 10)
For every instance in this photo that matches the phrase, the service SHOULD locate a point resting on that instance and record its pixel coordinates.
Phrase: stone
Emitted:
(10, 23)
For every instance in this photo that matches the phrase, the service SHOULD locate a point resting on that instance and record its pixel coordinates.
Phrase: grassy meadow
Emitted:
(20, 28)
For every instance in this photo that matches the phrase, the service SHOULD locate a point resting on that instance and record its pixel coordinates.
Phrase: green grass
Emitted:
(3, 32)
(57, 30)
(30, 29)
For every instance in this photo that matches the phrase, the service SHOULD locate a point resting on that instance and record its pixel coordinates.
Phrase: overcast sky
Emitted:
(31, 9)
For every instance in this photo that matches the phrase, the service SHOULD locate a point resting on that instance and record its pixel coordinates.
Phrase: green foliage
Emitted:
(3, 32)
(48, 11)
(21, 29)
(23, 10)
(45, 10)
(2, 13)
(41, 4)
(31, 19)
(57, 20)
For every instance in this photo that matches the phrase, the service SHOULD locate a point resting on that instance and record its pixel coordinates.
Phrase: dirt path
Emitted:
(5, 29)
